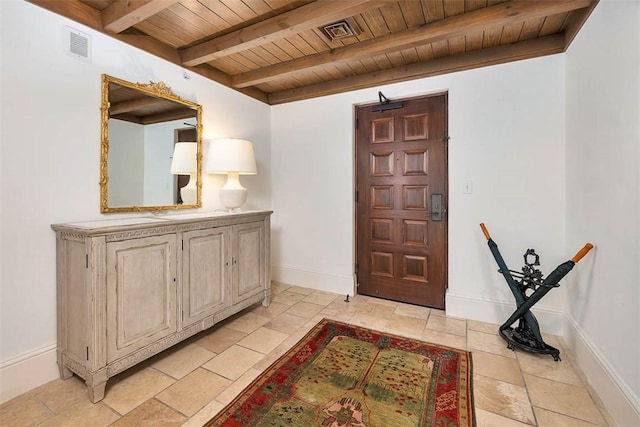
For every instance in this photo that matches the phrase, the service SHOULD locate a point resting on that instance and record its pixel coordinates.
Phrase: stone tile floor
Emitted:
(189, 383)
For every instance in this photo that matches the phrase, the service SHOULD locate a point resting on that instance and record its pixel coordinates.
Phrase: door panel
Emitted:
(205, 273)
(248, 268)
(141, 293)
(400, 171)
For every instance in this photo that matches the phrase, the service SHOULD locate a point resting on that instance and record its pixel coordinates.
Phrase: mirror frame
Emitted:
(159, 90)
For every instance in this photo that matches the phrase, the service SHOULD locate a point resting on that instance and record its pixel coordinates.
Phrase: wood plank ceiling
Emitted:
(279, 51)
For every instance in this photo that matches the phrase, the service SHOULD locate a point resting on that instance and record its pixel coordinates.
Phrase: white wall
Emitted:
(50, 152)
(506, 125)
(603, 203)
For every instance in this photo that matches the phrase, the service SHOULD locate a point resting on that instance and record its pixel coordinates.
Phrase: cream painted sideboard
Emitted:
(130, 288)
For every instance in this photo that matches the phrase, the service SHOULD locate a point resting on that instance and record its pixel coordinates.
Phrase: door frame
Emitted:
(354, 183)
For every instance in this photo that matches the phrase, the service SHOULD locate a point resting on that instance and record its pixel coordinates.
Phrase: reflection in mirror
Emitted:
(142, 125)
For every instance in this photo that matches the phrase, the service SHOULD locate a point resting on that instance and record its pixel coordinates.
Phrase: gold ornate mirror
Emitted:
(143, 126)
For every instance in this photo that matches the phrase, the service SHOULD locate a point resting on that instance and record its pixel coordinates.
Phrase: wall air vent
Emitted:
(78, 44)
(341, 30)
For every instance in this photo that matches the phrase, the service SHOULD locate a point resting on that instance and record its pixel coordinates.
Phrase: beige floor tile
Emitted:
(274, 309)
(354, 301)
(489, 419)
(412, 311)
(277, 287)
(449, 325)
(487, 328)
(443, 338)
(23, 411)
(209, 411)
(552, 419)
(233, 362)
(543, 365)
(374, 309)
(436, 312)
(185, 360)
(341, 315)
(563, 398)
(274, 355)
(127, 391)
(151, 413)
(382, 301)
(301, 290)
(220, 339)
(498, 367)
(490, 343)
(194, 391)
(304, 309)
(405, 326)
(371, 322)
(60, 395)
(288, 297)
(234, 389)
(499, 397)
(286, 323)
(321, 298)
(263, 340)
(247, 322)
(84, 414)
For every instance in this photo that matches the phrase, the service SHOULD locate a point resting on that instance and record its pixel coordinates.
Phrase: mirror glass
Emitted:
(141, 127)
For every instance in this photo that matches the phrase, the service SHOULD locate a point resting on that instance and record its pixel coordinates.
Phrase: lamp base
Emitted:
(233, 198)
(189, 193)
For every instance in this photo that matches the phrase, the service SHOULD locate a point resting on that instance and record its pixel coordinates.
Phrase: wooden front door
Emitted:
(401, 193)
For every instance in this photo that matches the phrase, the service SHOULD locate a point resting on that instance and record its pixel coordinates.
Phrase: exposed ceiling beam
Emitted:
(124, 14)
(456, 26)
(481, 58)
(289, 23)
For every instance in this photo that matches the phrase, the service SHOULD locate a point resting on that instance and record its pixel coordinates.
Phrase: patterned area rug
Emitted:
(342, 375)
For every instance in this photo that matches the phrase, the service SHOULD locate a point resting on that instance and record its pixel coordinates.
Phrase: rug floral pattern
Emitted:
(342, 375)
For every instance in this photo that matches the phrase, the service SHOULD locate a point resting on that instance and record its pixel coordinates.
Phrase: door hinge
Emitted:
(356, 124)
(87, 353)
(357, 268)
(357, 196)
(183, 244)
(86, 261)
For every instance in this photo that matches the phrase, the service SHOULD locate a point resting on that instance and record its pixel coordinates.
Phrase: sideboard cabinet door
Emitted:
(141, 293)
(205, 273)
(248, 259)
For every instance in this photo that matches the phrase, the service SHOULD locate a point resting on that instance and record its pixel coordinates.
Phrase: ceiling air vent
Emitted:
(78, 44)
(341, 30)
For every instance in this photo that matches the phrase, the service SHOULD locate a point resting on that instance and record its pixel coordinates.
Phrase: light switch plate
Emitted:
(468, 187)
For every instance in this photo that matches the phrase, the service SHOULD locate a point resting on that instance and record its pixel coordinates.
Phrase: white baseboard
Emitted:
(342, 285)
(621, 402)
(25, 372)
(493, 311)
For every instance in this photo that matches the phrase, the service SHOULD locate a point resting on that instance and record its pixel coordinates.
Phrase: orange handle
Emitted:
(485, 231)
(582, 252)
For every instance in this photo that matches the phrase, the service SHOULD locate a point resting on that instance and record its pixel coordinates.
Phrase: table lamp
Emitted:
(232, 157)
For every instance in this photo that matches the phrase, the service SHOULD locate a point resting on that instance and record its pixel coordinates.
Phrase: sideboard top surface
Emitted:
(124, 224)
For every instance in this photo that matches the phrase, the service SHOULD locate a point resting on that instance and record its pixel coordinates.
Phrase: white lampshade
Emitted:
(185, 162)
(185, 158)
(232, 157)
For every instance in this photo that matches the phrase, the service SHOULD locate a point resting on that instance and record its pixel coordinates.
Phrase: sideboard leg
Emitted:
(65, 373)
(96, 392)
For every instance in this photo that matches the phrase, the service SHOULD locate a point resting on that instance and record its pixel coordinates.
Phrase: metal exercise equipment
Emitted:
(528, 287)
